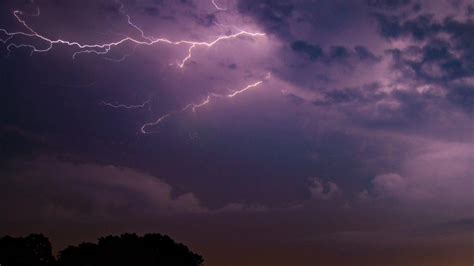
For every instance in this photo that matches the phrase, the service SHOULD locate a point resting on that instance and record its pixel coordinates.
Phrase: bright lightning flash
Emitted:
(194, 107)
(104, 48)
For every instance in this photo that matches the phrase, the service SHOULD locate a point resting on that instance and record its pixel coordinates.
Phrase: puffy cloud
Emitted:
(395, 186)
(426, 52)
(321, 190)
(436, 50)
(438, 179)
(52, 189)
(55, 189)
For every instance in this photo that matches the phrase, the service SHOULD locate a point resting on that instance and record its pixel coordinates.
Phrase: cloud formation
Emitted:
(374, 98)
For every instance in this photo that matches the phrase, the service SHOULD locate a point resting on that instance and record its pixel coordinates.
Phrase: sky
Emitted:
(256, 132)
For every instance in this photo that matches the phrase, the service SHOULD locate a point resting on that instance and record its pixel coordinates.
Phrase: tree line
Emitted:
(123, 250)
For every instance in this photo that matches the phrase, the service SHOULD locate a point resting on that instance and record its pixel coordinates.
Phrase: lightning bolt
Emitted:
(194, 106)
(217, 6)
(124, 106)
(105, 48)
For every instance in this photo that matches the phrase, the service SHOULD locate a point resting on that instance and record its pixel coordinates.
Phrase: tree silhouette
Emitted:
(33, 250)
(130, 249)
(123, 250)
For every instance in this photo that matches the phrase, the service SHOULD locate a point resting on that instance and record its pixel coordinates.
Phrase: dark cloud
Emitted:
(338, 53)
(295, 99)
(364, 94)
(274, 15)
(152, 11)
(470, 10)
(392, 26)
(158, 2)
(436, 64)
(439, 61)
(109, 7)
(462, 96)
(388, 3)
(313, 52)
(417, 7)
(335, 53)
(364, 54)
(430, 64)
(208, 20)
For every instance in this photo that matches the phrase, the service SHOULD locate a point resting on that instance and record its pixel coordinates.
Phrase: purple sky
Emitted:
(354, 147)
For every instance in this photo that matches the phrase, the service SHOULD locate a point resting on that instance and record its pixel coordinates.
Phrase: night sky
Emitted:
(257, 132)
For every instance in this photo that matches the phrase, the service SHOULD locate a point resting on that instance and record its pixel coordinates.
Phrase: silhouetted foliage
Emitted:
(130, 249)
(33, 250)
(124, 250)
